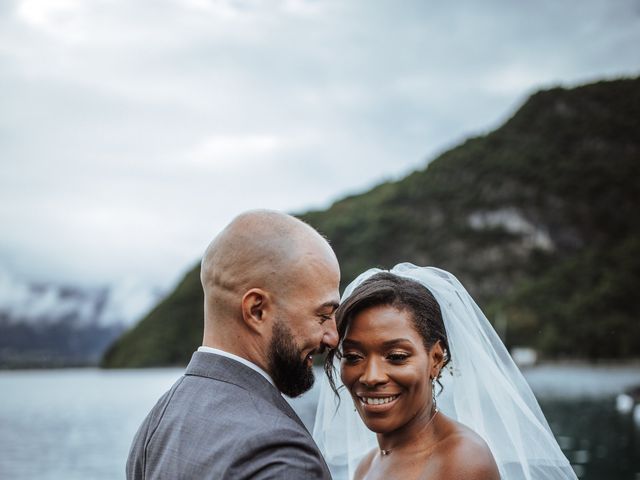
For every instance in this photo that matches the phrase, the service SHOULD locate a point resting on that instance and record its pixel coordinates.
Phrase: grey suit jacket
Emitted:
(223, 420)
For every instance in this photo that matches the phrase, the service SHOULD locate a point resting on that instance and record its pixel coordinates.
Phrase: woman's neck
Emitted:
(422, 427)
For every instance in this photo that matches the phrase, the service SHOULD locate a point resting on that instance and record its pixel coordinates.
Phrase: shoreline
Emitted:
(543, 363)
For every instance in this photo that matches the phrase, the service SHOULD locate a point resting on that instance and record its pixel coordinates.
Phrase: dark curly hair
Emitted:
(401, 293)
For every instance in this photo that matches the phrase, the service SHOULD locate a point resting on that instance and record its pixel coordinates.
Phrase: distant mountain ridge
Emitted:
(51, 325)
(539, 219)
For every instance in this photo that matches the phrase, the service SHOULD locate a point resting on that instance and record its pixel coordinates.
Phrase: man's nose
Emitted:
(330, 338)
(373, 373)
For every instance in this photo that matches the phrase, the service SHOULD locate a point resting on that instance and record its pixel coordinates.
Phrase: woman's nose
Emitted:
(373, 373)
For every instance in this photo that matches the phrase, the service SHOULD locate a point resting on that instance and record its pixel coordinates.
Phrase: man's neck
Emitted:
(238, 358)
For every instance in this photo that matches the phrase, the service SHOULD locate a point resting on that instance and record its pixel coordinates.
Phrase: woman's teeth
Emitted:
(378, 400)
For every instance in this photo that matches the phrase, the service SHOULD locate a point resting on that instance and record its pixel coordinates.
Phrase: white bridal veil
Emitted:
(483, 389)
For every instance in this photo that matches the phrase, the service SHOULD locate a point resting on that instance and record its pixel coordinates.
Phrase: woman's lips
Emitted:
(377, 403)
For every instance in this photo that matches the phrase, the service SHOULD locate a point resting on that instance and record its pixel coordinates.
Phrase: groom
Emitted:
(271, 289)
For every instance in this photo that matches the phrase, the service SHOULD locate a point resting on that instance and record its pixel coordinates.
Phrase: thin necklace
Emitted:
(384, 453)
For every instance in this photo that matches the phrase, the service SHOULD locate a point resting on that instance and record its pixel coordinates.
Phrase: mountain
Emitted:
(51, 325)
(539, 219)
(168, 335)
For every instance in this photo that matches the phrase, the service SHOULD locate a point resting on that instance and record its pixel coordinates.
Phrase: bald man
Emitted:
(271, 289)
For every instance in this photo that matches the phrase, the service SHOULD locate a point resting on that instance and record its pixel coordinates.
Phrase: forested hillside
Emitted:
(538, 218)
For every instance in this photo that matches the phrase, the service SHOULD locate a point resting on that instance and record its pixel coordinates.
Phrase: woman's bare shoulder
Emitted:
(364, 465)
(464, 454)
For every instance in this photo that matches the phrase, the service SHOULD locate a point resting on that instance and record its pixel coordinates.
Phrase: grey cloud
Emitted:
(118, 133)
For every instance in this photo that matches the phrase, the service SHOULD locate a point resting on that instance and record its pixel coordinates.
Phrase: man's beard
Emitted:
(289, 370)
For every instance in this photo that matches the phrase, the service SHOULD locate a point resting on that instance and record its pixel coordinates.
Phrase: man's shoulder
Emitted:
(226, 413)
(204, 424)
(239, 403)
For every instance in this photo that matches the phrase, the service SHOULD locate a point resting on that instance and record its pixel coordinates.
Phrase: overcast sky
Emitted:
(132, 131)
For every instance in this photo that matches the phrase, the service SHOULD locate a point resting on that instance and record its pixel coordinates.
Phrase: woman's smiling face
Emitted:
(387, 368)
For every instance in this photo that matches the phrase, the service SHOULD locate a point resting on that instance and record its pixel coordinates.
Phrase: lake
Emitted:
(78, 423)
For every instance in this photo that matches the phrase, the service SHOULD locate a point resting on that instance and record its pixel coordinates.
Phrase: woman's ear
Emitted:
(255, 303)
(436, 355)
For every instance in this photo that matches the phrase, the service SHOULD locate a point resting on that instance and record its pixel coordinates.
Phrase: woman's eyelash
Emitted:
(397, 357)
(350, 357)
(354, 357)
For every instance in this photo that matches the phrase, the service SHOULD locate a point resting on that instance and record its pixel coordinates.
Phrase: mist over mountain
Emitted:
(47, 325)
(538, 219)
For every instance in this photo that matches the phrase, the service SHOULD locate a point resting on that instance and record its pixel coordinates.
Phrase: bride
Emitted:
(426, 389)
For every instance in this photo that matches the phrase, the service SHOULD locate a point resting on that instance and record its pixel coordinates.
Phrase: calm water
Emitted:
(78, 424)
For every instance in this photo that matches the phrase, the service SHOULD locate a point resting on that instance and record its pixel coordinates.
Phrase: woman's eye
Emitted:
(397, 357)
(350, 357)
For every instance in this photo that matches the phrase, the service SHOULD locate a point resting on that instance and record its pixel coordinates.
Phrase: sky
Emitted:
(132, 132)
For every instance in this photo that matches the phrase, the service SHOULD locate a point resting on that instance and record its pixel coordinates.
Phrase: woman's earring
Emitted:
(433, 394)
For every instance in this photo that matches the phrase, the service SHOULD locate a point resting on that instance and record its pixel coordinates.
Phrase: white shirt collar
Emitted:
(242, 360)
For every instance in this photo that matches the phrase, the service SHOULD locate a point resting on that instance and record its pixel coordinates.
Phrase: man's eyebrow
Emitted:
(351, 343)
(331, 304)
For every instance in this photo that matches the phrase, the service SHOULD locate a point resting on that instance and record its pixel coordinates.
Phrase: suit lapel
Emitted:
(211, 365)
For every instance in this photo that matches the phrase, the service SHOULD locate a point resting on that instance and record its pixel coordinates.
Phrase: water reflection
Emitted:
(601, 443)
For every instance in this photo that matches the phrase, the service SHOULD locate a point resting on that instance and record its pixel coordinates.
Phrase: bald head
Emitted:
(271, 286)
(258, 249)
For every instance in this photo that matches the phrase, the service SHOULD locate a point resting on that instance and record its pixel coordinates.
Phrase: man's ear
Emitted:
(255, 305)
(436, 354)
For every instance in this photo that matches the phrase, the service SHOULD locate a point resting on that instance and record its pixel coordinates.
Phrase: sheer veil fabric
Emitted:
(482, 388)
